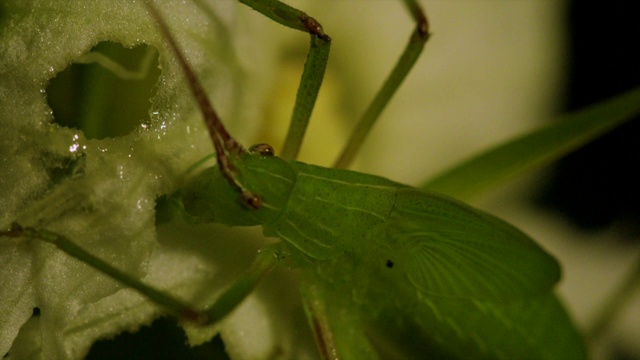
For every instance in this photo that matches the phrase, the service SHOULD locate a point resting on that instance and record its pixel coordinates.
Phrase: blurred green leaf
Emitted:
(532, 151)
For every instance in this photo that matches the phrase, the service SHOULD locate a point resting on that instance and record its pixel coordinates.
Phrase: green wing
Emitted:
(439, 279)
(449, 249)
(537, 328)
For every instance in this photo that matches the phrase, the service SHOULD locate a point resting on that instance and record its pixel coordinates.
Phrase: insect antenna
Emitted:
(223, 142)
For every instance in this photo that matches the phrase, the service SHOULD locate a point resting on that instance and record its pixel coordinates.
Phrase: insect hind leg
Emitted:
(176, 306)
(266, 261)
(403, 66)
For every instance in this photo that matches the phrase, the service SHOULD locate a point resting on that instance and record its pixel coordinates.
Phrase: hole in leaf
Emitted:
(106, 92)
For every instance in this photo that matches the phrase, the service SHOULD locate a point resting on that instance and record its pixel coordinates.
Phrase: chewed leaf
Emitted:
(453, 250)
(99, 192)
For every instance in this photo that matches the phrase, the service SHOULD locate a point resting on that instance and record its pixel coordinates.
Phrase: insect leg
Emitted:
(408, 58)
(339, 334)
(175, 306)
(319, 323)
(314, 67)
(242, 287)
(230, 299)
(223, 142)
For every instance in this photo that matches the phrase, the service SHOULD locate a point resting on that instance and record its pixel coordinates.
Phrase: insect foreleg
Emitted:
(408, 58)
(223, 142)
(314, 67)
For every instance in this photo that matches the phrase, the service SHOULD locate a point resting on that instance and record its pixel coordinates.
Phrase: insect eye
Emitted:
(262, 149)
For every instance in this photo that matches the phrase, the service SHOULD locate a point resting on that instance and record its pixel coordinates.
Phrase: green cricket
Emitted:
(443, 279)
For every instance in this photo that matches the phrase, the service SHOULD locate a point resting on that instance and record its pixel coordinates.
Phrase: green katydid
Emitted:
(442, 261)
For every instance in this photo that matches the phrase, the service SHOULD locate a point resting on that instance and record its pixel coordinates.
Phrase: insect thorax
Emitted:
(330, 211)
(208, 196)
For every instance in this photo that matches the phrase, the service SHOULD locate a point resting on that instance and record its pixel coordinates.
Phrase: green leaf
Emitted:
(535, 150)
